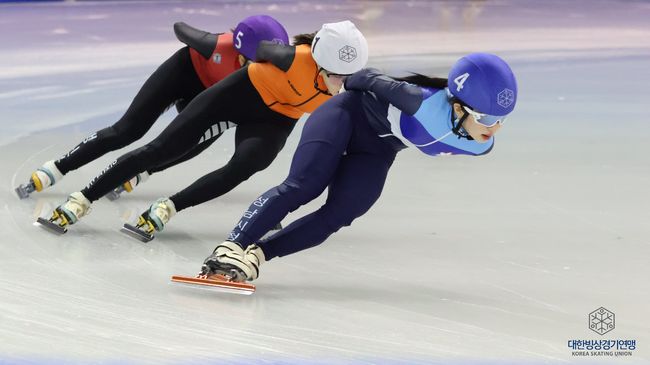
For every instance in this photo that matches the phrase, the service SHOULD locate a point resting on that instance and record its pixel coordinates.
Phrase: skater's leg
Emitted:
(198, 149)
(256, 146)
(356, 187)
(324, 139)
(129, 185)
(174, 79)
(223, 101)
(208, 139)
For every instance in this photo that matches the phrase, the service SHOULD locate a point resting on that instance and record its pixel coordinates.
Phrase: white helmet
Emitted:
(340, 48)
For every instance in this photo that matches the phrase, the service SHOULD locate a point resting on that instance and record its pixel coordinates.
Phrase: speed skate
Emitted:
(216, 282)
(23, 190)
(50, 226)
(136, 232)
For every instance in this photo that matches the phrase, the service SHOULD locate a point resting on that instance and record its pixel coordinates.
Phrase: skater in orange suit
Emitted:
(264, 100)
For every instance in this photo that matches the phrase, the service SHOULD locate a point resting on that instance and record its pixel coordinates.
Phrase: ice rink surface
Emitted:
(491, 260)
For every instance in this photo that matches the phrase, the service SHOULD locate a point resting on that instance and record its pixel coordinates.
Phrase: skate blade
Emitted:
(134, 232)
(22, 191)
(50, 226)
(215, 285)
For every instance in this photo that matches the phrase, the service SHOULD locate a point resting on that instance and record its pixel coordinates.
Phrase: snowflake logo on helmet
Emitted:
(505, 98)
(347, 54)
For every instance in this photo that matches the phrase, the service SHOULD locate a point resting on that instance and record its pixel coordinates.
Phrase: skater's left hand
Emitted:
(361, 80)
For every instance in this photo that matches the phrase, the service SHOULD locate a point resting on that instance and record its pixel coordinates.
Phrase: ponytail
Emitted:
(425, 81)
(305, 38)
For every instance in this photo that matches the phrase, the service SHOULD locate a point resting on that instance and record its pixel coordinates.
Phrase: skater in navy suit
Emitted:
(349, 144)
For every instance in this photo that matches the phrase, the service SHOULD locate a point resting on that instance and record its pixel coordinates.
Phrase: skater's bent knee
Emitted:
(341, 213)
(339, 220)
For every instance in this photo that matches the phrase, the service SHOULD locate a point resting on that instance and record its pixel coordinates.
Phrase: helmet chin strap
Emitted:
(457, 123)
(316, 83)
(457, 127)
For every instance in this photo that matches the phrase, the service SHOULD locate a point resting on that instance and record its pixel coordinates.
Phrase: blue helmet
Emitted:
(485, 83)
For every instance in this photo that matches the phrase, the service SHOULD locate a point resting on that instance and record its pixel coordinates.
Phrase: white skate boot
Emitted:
(153, 219)
(254, 256)
(228, 269)
(44, 177)
(128, 186)
(228, 260)
(67, 213)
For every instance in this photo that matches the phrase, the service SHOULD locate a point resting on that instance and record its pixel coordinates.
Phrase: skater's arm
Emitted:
(200, 40)
(280, 55)
(404, 96)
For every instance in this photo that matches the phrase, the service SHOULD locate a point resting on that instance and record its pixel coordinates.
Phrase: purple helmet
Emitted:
(484, 82)
(250, 31)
